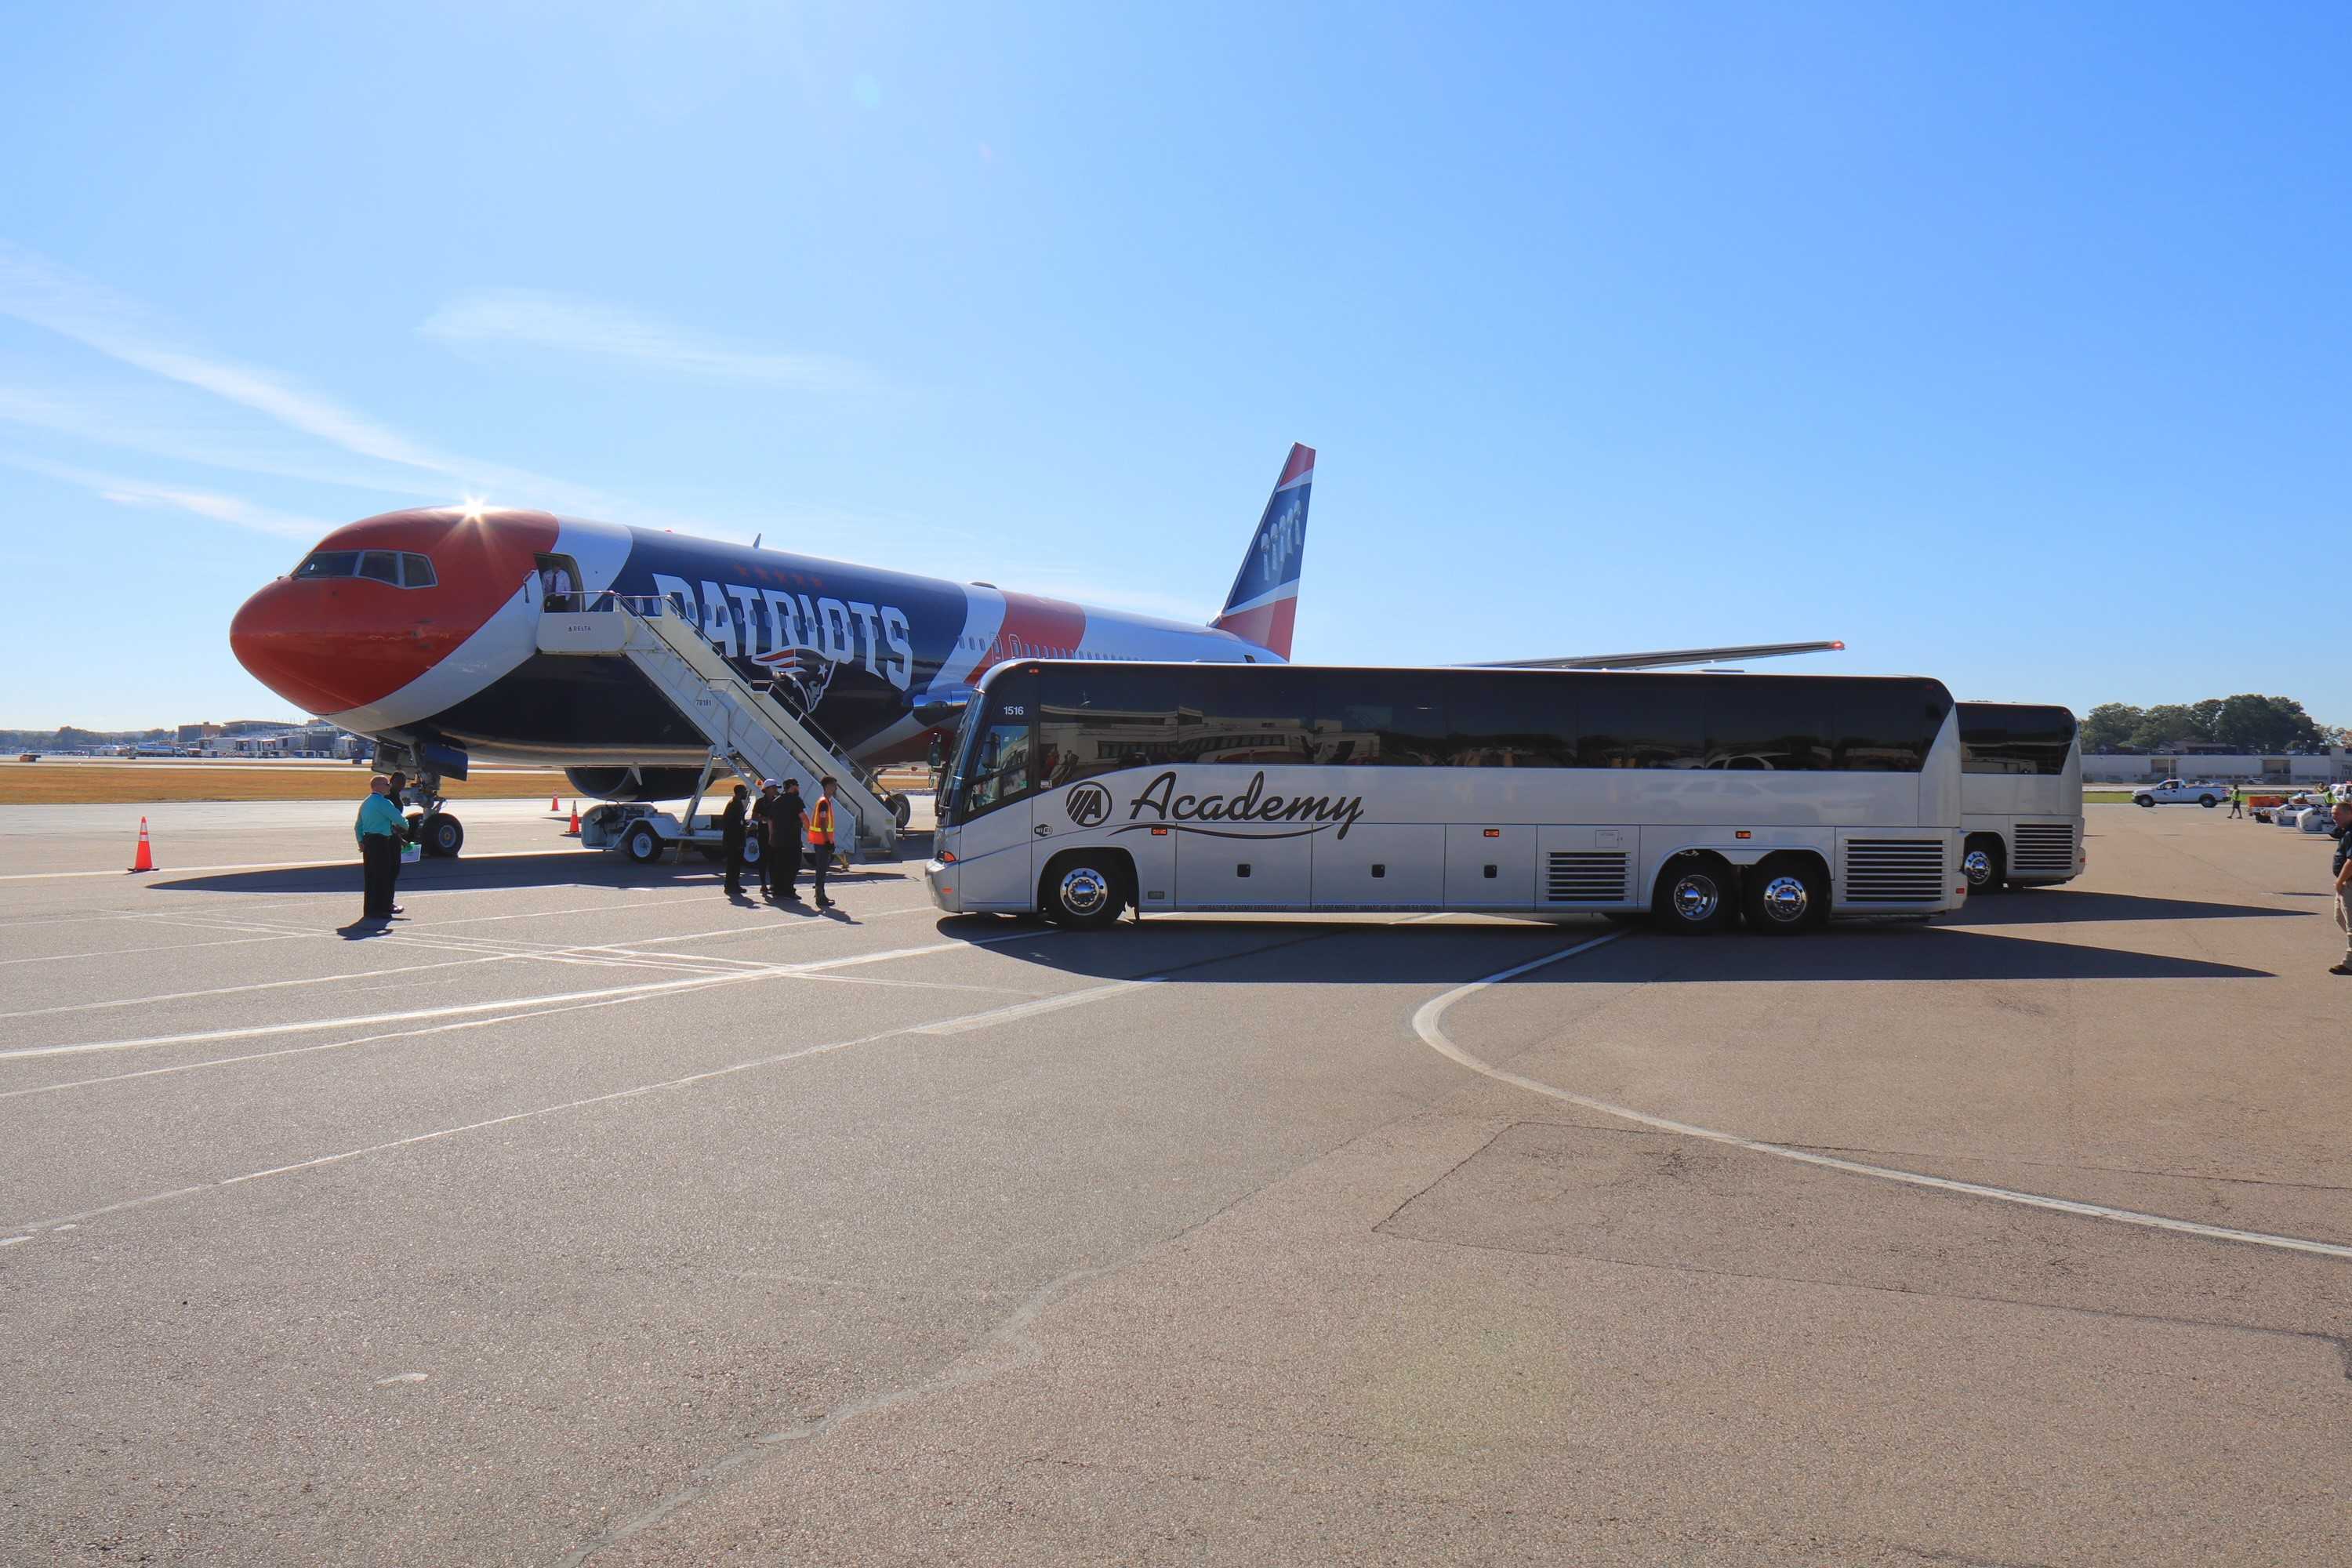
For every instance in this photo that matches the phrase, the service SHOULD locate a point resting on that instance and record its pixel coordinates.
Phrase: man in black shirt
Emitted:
(731, 837)
(2342, 868)
(788, 821)
(763, 823)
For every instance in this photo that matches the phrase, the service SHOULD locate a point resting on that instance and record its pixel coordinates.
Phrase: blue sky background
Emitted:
(2008, 343)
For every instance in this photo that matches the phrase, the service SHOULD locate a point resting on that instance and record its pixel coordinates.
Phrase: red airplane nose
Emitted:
(335, 644)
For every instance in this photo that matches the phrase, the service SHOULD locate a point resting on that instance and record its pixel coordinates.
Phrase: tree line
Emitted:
(2246, 722)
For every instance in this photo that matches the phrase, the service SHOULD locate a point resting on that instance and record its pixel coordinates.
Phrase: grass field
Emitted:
(134, 783)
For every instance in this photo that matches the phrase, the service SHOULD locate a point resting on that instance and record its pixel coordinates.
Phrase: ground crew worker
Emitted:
(397, 792)
(378, 830)
(788, 821)
(764, 829)
(730, 836)
(820, 837)
(2237, 801)
(2342, 868)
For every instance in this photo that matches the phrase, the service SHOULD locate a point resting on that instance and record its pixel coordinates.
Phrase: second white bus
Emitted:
(1080, 790)
(2021, 795)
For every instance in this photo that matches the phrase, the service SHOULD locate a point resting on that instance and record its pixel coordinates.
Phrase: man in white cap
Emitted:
(763, 812)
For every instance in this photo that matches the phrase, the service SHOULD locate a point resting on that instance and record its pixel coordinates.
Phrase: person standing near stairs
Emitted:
(731, 838)
(787, 821)
(820, 837)
(763, 830)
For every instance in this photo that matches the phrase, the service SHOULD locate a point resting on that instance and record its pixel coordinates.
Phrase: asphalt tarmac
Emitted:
(586, 1216)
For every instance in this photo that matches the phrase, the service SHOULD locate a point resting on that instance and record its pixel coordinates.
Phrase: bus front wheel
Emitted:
(1696, 894)
(1086, 891)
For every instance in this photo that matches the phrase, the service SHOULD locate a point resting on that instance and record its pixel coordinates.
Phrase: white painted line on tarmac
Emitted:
(1428, 1024)
(462, 1010)
(684, 1081)
(301, 1050)
(489, 952)
(996, 1016)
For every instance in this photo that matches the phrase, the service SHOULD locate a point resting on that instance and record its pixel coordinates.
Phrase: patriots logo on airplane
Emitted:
(1262, 606)
(808, 670)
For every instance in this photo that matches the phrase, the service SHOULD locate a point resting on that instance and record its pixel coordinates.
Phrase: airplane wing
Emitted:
(1667, 659)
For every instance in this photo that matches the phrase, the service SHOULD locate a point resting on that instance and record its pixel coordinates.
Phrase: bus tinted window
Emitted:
(2014, 737)
(1505, 721)
(1767, 723)
(1886, 726)
(1261, 717)
(1641, 721)
(1093, 720)
(1397, 722)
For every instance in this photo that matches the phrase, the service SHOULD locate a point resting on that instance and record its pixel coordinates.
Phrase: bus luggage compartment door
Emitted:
(1400, 865)
(1213, 872)
(1489, 866)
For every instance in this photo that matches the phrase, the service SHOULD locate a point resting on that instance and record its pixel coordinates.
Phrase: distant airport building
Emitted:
(2332, 766)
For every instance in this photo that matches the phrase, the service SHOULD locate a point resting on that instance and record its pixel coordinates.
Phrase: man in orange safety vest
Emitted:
(820, 837)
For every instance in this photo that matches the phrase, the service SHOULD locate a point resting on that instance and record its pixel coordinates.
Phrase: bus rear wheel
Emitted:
(1696, 895)
(1084, 891)
(1985, 863)
(1783, 895)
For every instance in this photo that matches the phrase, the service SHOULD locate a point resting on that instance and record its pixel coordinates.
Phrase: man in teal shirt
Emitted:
(379, 830)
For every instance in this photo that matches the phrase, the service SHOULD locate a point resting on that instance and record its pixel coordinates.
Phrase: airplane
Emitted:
(419, 629)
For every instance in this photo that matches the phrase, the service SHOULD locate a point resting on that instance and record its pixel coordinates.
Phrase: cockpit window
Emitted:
(402, 569)
(329, 563)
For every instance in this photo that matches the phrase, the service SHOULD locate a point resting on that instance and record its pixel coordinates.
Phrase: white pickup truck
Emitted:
(2172, 792)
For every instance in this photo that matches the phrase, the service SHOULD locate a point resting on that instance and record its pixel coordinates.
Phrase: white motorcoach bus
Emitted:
(1079, 790)
(2021, 795)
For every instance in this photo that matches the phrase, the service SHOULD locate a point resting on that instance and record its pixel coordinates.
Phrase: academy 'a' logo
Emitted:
(1086, 803)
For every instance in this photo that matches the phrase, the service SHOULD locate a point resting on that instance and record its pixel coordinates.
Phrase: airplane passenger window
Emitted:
(381, 566)
(328, 563)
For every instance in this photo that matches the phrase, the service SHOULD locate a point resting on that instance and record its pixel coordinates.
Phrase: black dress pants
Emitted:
(379, 864)
(734, 842)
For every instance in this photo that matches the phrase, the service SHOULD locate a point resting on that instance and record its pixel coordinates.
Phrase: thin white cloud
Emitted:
(529, 319)
(36, 290)
(128, 423)
(232, 509)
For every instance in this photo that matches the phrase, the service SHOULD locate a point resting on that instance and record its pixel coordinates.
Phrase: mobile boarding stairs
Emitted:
(747, 724)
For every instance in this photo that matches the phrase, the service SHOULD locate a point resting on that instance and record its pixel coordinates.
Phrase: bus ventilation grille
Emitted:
(2045, 846)
(1894, 870)
(1572, 878)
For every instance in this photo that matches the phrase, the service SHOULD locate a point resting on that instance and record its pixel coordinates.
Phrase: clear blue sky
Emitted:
(2007, 342)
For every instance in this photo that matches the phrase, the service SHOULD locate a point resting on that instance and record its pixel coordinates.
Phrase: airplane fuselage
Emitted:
(879, 657)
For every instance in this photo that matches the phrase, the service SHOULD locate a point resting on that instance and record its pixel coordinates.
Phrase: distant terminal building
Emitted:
(197, 734)
(2200, 761)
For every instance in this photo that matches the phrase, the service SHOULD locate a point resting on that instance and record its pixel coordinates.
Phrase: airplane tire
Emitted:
(902, 810)
(441, 835)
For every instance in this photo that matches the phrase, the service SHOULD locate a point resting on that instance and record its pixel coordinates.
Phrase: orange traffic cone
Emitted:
(146, 859)
(554, 806)
(574, 831)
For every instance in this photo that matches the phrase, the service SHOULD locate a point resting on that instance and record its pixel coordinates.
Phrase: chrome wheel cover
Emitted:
(1695, 897)
(1786, 900)
(1084, 891)
(1979, 866)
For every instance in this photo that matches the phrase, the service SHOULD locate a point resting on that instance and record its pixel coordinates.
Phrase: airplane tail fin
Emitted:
(1264, 603)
